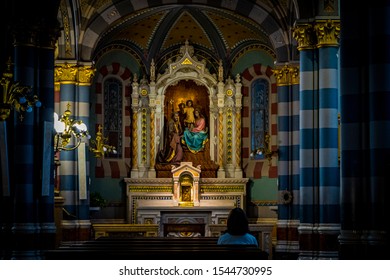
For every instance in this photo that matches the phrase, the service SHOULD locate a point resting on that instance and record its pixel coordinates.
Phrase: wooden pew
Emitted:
(155, 248)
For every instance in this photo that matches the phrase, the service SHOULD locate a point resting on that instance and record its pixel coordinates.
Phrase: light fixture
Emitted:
(98, 147)
(265, 150)
(15, 96)
(67, 129)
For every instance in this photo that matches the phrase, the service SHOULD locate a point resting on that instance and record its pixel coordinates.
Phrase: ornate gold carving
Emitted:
(220, 136)
(282, 75)
(152, 147)
(73, 73)
(287, 75)
(186, 61)
(229, 92)
(238, 139)
(229, 136)
(135, 139)
(294, 73)
(220, 71)
(167, 189)
(65, 73)
(143, 135)
(85, 74)
(66, 27)
(144, 92)
(305, 36)
(221, 188)
(328, 33)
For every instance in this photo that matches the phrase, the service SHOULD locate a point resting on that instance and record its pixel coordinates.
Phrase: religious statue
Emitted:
(188, 111)
(196, 137)
(172, 151)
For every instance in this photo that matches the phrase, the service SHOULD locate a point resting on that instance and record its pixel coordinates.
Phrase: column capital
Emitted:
(286, 75)
(328, 33)
(305, 36)
(86, 73)
(73, 73)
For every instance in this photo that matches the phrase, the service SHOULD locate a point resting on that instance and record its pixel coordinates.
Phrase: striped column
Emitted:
(365, 126)
(73, 172)
(85, 74)
(329, 171)
(25, 227)
(46, 94)
(378, 238)
(67, 170)
(319, 177)
(308, 157)
(287, 78)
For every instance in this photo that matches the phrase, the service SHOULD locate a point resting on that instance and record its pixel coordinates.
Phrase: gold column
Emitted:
(135, 139)
(229, 136)
(220, 149)
(238, 138)
(144, 133)
(152, 147)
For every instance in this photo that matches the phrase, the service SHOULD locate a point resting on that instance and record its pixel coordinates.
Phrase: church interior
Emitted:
(153, 119)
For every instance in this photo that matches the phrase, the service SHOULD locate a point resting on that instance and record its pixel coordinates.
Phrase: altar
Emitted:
(186, 148)
(183, 199)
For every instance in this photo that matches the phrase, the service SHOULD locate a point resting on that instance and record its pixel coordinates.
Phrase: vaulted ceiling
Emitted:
(218, 30)
(158, 30)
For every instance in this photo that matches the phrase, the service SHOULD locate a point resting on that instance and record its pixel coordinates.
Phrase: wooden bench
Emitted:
(155, 248)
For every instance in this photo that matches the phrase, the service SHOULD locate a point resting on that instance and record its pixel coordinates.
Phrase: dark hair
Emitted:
(237, 222)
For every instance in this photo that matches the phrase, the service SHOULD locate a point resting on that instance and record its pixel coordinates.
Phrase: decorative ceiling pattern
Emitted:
(157, 30)
(186, 27)
(141, 31)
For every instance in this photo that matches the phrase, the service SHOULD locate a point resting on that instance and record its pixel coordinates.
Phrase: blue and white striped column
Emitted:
(46, 95)
(25, 226)
(74, 168)
(83, 103)
(319, 177)
(365, 127)
(288, 162)
(329, 171)
(68, 169)
(309, 154)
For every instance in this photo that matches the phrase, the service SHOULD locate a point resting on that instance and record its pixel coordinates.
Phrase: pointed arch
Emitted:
(258, 168)
(111, 167)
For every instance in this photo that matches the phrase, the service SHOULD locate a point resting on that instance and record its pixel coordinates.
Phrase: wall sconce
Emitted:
(15, 96)
(98, 147)
(66, 129)
(265, 150)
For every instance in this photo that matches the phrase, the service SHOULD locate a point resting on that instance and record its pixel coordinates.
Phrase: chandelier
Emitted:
(98, 147)
(67, 129)
(15, 96)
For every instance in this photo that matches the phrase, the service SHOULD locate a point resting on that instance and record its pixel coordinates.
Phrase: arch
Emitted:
(114, 168)
(260, 15)
(186, 68)
(258, 168)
